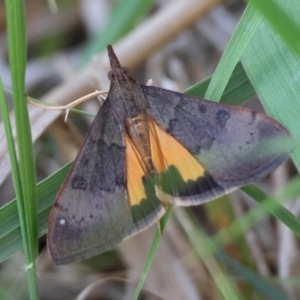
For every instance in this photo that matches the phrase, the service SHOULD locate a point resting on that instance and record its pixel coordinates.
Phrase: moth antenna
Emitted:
(114, 62)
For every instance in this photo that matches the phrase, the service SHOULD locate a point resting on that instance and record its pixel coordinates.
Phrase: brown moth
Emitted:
(149, 147)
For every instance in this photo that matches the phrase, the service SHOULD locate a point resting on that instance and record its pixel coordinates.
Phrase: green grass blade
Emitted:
(274, 208)
(197, 238)
(27, 199)
(271, 204)
(153, 249)
(220, 80)
(10, 232)
(273, 69)
(232, 54)
(242, 224)
(237, 91)
(12, 154)
(260, 284)
(281, 15)
(4, 295)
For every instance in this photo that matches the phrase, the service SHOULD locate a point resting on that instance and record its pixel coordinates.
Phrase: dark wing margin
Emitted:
(235, 145)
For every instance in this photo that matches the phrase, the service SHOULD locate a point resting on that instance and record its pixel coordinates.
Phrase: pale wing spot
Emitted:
(62, 221)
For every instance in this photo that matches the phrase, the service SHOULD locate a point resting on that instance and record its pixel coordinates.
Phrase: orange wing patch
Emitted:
(167, 151)
(135, 173)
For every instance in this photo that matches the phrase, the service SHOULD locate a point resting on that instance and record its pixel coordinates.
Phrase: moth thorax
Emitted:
(138, 130)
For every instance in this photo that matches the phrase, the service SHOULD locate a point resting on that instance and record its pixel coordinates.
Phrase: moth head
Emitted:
(118, 74)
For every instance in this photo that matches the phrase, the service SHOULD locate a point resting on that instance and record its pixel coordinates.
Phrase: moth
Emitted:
(149, 147)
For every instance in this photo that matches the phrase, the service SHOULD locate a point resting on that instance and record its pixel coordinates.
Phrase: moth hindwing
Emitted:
(148, 147)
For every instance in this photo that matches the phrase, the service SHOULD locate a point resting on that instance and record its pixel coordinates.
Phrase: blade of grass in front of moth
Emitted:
(152, 252)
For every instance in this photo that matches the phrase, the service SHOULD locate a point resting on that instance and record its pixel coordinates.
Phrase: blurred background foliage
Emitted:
(232, 248)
